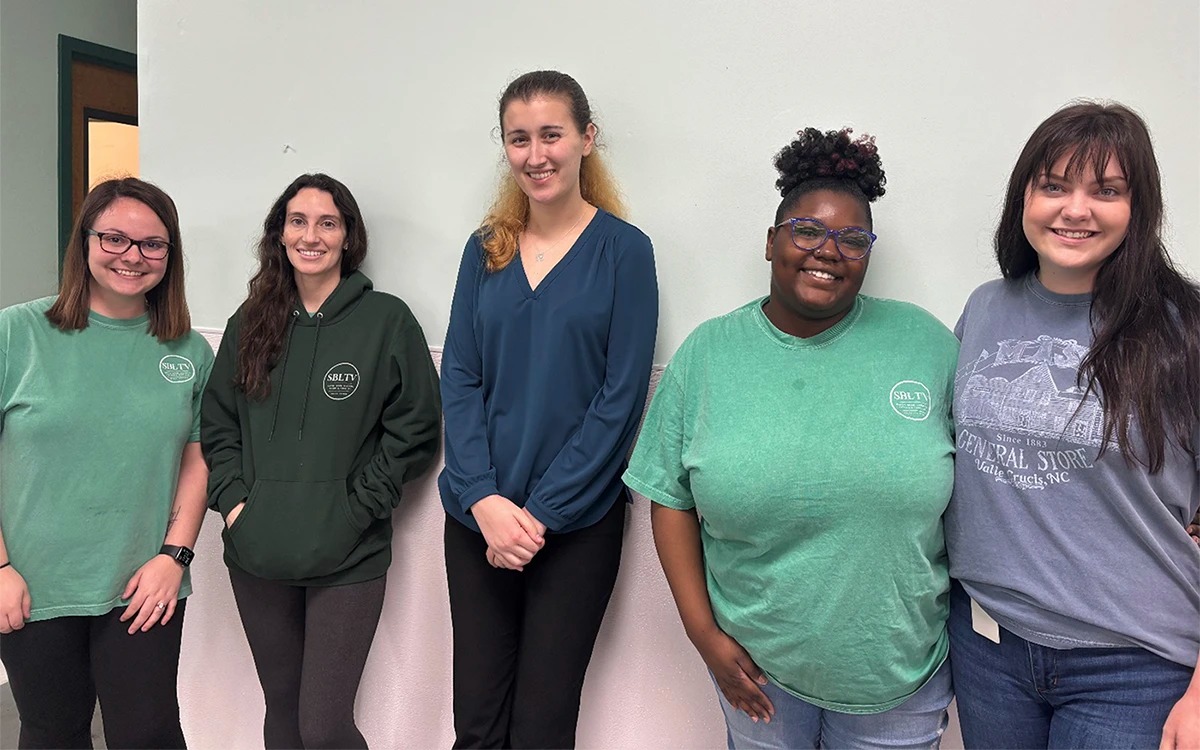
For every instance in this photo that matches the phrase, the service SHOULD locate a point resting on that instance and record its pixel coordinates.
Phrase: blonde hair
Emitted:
(509, 214)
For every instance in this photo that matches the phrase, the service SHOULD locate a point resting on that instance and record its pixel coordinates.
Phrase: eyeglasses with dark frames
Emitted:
(852, 243)
(116, 243)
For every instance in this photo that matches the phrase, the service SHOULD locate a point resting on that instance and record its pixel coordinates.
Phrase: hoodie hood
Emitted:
(339, 304)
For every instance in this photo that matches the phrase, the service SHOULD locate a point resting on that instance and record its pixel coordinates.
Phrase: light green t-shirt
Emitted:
(92, 428)
(820, 469)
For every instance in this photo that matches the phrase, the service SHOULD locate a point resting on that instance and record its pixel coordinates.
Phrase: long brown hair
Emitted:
(509, 213)
(264, 314)
(166, 302)
(1144, 361)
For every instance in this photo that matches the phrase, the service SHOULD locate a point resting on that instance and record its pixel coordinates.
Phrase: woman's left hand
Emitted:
(152, 593)
(496, 561)
(1182, 730)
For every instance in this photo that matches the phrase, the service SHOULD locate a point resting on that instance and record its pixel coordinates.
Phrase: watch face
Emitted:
(181, 555)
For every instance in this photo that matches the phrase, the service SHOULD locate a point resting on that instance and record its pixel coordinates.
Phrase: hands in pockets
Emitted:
(294, 530)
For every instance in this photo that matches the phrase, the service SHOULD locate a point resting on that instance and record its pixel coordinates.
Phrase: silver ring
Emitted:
(160, 606)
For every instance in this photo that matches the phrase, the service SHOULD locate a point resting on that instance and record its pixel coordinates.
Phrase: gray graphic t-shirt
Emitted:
(1063, 544)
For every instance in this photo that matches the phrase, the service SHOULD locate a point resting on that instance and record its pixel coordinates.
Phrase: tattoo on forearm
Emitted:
(171, 521)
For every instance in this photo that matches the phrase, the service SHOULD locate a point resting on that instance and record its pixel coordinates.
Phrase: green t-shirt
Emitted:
(820, 469)
(92, 428)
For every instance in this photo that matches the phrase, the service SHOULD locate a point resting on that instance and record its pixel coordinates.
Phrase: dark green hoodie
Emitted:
(353, 414)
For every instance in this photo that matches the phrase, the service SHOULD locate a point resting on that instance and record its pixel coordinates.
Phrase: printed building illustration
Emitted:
(1031, 387)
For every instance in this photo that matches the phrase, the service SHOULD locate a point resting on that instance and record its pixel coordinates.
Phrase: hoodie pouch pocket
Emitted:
(294, 530)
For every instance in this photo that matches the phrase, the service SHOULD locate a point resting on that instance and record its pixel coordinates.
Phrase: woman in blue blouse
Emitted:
(544, 376)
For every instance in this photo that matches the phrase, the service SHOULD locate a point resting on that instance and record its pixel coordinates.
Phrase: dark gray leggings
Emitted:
(310, 645)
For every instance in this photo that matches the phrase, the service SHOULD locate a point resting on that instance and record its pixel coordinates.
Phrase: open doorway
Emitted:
(97, 122)
(111, 145)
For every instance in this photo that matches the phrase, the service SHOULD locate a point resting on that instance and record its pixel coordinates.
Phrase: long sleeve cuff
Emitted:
(229, 498)
(477, 492)
(553, 521)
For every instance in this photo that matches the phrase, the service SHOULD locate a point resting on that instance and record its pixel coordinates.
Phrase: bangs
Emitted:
(1089, 156)
(1089, 136)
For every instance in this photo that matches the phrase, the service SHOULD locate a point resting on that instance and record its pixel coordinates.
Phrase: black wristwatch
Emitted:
(181, 555)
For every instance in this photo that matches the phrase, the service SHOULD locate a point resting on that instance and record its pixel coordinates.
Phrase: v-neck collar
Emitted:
(532, 291)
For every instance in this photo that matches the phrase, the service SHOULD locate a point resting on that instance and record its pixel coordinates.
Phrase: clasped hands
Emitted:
(513, 535)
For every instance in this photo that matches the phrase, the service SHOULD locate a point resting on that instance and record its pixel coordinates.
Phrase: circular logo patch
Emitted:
(910, 400)
(341, 381)
(177, 369)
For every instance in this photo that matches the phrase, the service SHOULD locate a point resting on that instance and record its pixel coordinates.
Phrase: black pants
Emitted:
(57, 669)
(522, 641)
(310, 646)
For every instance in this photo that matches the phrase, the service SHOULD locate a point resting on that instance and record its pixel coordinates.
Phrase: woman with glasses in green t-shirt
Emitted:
(778, 438)
(102, 483)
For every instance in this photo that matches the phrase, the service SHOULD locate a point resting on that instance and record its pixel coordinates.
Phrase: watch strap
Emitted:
(181, 555)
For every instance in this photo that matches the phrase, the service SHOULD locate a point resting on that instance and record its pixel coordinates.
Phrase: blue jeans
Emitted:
(918, 722)
(1020, 694)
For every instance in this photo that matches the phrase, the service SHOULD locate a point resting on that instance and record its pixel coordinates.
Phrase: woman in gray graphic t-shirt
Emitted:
(1077, 413)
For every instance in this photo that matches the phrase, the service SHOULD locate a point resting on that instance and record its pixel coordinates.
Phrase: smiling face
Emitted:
(314, 235)
(812, 290)
(1075, 222)
(118, 283)
(545, 148)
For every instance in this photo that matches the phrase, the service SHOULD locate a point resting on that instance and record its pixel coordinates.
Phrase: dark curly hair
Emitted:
(829, 161)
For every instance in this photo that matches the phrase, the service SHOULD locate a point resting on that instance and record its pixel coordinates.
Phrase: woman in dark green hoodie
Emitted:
(322, 402)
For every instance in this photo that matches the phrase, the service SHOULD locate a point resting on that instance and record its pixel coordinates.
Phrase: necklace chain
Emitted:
(541, 255)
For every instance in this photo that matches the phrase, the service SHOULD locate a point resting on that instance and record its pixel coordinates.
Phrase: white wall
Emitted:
(694, 99)
(29, 32)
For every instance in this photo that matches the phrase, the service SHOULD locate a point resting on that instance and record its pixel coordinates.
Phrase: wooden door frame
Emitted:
(70, 50)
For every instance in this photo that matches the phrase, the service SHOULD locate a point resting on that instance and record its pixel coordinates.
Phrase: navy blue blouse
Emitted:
(543, 389)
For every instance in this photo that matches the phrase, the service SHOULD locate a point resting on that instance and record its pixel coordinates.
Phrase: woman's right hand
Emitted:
(233, 514)
(738, 677)
(510, 533)
(14, 600)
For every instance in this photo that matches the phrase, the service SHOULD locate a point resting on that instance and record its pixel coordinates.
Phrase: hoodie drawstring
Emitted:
(308, 380)
(287, 344)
